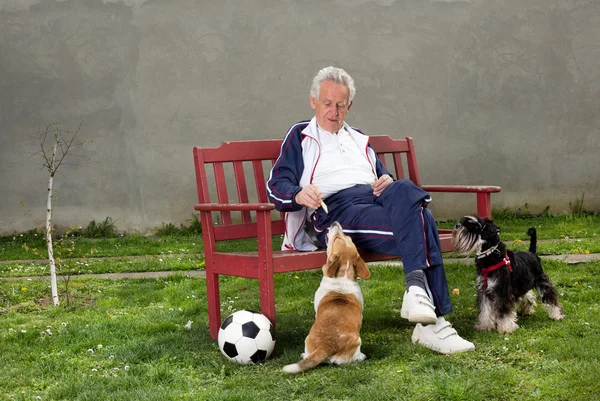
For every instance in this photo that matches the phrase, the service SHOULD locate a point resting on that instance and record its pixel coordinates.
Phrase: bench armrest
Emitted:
(233, 207)
(461, 188)
(483, 194)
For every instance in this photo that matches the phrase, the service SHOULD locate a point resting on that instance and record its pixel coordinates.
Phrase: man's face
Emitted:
(332, 105)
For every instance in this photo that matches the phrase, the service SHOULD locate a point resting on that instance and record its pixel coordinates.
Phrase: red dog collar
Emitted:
(503, 262)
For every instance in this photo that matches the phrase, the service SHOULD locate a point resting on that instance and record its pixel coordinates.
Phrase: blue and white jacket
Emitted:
(294, 169)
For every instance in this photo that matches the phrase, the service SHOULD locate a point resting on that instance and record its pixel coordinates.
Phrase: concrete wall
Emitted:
(495, 92)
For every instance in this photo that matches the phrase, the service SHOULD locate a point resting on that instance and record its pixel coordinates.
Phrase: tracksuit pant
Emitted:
(397, 223)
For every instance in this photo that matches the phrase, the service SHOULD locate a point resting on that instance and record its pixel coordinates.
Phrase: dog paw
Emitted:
(507, 327)
(485, 326)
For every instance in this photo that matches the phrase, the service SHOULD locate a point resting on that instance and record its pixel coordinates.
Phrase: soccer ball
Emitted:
(246, 337)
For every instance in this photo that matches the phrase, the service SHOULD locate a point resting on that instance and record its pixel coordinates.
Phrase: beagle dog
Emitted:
(335, 337)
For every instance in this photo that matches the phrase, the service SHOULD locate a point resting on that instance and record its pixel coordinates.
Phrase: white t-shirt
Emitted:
(342, 163)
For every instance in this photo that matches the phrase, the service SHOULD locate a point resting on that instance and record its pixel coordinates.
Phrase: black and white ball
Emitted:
(246, 337)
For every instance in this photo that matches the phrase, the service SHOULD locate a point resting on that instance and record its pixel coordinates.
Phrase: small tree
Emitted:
(55, 144)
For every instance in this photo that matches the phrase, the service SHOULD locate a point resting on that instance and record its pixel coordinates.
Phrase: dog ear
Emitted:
(362, 270)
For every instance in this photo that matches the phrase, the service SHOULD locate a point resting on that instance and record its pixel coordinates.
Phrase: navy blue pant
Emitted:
(396, 223)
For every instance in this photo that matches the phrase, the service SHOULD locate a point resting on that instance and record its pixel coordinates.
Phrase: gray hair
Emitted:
(332, 74)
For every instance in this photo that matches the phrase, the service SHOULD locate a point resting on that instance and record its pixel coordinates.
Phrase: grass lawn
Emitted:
(124, 340)
(570, 235)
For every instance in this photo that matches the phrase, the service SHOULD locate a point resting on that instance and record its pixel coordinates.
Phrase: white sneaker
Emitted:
(416, 306)
(441, 337)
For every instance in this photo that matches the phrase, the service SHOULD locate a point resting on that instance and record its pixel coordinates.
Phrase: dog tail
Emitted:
(533, 242)
(312, 360)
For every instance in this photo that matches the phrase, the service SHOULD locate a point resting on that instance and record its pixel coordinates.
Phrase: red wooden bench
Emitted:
(231, 162)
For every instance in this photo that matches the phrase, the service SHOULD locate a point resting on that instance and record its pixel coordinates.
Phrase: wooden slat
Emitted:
(240, 184)
(399, 169)
(222, 196)
(388, 145)
(413, 167)
(244, 151)
(259, 177)
(201, 180)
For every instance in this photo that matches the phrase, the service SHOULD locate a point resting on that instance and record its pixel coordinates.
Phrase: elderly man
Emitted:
(324, 159)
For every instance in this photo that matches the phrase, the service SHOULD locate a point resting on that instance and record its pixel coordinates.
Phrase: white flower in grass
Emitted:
(91, 351)
(94, 370)
(63, 324)
(188, 325)
(126, 367)
(38, 398)
(99, 346)
(23, 331)
(111, 357)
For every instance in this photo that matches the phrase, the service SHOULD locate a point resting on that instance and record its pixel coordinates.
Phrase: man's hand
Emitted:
(309, 196)
(381, 184)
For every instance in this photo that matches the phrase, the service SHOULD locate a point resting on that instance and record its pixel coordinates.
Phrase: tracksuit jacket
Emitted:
(405, 210)
(294, 169)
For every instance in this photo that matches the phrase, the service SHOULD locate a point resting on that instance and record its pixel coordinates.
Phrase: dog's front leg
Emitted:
(487, 313)
(507, 313)
(507, 323)
(358, 356)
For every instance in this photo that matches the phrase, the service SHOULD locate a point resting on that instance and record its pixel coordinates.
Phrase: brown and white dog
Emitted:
(335, 335)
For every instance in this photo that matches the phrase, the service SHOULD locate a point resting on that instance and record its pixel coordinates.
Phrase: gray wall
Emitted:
(495, 92)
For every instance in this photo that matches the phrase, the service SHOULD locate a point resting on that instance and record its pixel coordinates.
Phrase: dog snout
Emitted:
(335, 227)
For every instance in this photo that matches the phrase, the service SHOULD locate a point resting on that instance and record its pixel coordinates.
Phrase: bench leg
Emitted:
(267, 297)
(484, 204)
(265, 266)
(214, 304)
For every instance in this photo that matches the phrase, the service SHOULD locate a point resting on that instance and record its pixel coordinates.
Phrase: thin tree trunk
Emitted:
(49, 232)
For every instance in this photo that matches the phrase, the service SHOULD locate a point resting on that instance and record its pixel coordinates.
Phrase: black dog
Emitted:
(505, 279)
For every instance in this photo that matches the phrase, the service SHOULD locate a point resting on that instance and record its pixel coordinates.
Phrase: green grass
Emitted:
(11, 248)
(124, 340)
(548, 227)
(98, 266)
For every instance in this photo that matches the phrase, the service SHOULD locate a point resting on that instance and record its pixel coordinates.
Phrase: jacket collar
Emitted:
(311, 130)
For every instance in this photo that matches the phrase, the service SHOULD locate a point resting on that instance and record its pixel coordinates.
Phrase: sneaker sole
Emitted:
(423, 319)
(415, 340)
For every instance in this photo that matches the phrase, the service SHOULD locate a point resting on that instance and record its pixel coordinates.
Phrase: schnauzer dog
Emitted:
(505, 279)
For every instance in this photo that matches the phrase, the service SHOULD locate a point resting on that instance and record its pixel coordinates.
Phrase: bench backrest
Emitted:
(240, 170)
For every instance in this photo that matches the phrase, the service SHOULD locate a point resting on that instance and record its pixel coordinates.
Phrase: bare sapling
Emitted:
(53, 152)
